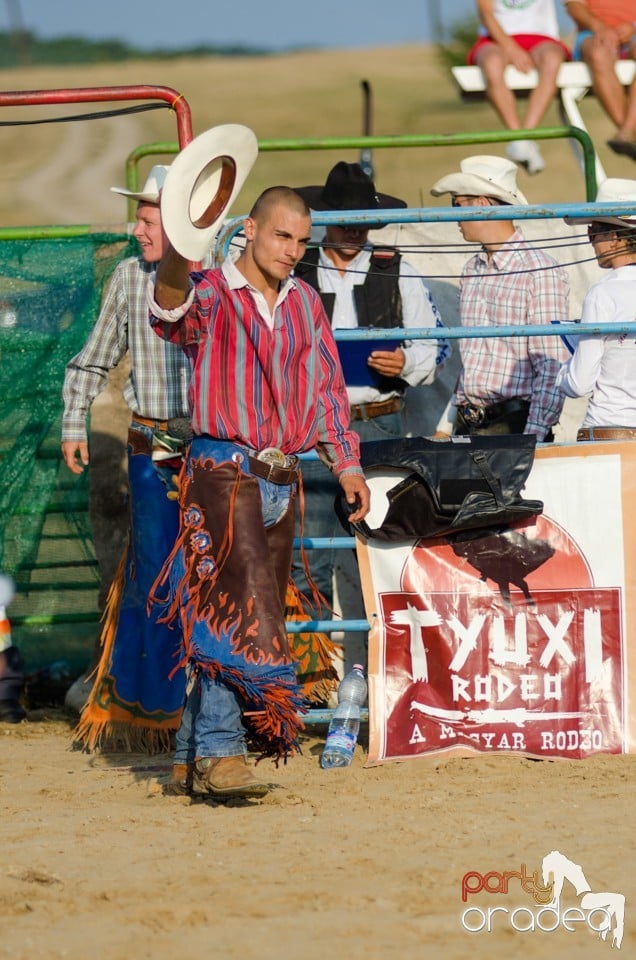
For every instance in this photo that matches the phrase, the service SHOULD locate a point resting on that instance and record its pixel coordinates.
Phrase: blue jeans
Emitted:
(320, 520)
(211, 724)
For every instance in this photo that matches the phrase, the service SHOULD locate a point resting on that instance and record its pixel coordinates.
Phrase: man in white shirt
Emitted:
(605, 365)
(362, 285)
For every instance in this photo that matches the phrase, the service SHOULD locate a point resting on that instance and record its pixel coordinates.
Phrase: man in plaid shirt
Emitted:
(133, 700)
(507, 384)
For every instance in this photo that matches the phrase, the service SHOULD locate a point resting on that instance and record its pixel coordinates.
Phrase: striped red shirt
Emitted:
(278, 385)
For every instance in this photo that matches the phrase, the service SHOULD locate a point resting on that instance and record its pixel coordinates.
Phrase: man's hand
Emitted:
(625, 32)
(388, 363)
(518, 57)
(356, 492)
(609, 38)
(71, 451)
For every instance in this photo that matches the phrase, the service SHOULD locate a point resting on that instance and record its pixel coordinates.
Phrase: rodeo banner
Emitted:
(513, 635)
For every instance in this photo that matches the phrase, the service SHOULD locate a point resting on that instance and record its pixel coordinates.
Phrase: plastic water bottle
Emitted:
(354, 686)
(345, 722)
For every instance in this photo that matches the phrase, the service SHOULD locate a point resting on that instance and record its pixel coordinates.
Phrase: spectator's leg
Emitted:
(607, 87)
(627, 131)
(492, 61)
(548, 57)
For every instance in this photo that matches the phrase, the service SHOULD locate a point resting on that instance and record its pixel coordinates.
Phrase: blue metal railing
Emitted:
(553, 211)
(435, 215)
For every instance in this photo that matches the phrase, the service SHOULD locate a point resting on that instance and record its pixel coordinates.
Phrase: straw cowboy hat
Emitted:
(612, 190)
(483, 176)
(151, 189)
(347, 187)
(201, 185)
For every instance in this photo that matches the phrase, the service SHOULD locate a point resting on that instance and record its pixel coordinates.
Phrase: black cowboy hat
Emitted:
(348, 187)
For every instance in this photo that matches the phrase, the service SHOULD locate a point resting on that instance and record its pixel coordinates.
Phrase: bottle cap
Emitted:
(358, 666)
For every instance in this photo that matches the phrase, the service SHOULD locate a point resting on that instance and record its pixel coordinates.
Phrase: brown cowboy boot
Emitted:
(180, 784)
(226, 777)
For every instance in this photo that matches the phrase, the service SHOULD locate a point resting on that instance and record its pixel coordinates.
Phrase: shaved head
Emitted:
(278, 196)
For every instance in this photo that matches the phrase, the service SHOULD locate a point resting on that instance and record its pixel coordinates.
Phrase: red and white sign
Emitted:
(516, 640)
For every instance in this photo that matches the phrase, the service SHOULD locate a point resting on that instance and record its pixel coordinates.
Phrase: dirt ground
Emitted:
(356, 863)
(353, 863)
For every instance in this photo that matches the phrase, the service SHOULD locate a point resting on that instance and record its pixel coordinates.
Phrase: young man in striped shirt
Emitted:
(267, 385)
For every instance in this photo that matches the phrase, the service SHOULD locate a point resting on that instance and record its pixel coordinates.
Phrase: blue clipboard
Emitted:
(570, 340)
(353, 359)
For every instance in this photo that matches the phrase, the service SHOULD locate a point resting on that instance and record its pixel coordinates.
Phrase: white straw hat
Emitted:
(483, 176)
(612, 190)
(151, 189)
(202, 183)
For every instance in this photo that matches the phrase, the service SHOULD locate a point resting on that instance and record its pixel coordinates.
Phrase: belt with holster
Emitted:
(178, 427)
(169, 437)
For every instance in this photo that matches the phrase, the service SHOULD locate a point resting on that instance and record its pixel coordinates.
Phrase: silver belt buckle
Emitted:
(273, 456)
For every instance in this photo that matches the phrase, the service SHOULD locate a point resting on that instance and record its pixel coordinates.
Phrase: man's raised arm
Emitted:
(172, 284)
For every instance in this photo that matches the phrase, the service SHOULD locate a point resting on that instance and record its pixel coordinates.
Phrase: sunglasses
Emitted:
(466, 201)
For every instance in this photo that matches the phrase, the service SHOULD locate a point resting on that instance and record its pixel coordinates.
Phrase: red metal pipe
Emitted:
(177, 101)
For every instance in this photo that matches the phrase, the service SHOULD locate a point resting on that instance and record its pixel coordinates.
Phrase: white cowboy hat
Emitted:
(483, 176)
(612, 190)
(151, 189)
(202, 183)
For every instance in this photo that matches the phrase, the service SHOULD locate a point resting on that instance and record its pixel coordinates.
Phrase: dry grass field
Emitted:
(61, 172)
(357, 863)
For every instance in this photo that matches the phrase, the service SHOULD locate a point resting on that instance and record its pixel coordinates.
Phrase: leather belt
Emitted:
(273, 472)
(368, 411)
(606, 433)
(149, 422)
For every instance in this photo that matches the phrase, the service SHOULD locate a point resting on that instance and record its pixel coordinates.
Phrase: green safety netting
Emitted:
(50, 294)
